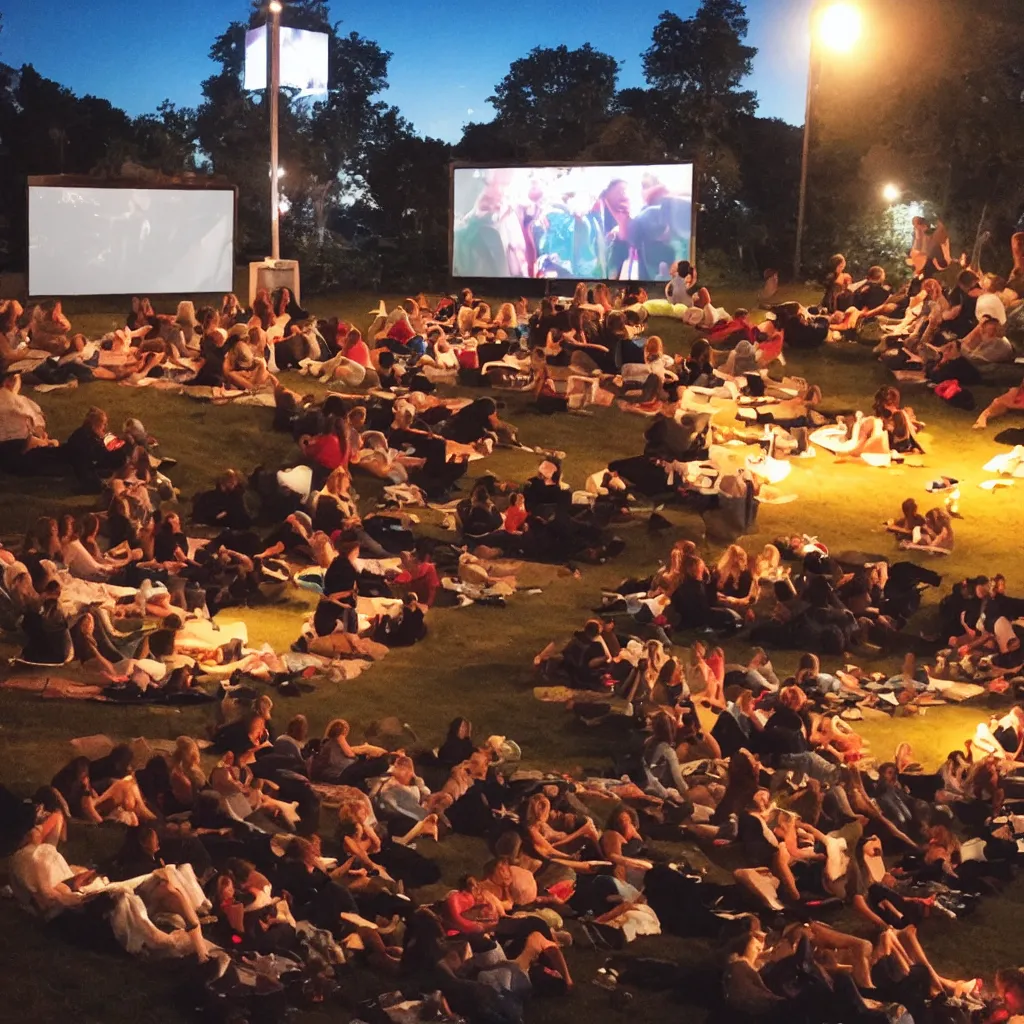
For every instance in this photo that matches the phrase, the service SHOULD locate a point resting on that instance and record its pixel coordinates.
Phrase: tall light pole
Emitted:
(274, 44)
(836, 26)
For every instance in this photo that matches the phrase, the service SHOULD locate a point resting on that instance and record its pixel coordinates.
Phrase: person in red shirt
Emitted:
(356, 349)
(734, 330)
(470, 909)
(515, 514)
(401, 330)
(324, 452)
(419, 574)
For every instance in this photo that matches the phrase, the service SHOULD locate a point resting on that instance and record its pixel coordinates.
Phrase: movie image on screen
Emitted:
(116, 241)
(614, 223)
(305, 57)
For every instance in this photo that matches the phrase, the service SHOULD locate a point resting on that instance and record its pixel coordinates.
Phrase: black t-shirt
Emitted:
(967, 318)
(469, 423)
(690, 601)
(213, 356)
(287, 535)
(340, 576)
(85, 447)
(480, 520)
(789, 725)
(871, 296)
(166, 544)
(121, 530)
(732, 587)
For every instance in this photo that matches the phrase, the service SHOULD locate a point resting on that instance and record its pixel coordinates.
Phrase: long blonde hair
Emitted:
(767, 561)
(507, 315)
(466, 320)
(732, 564)
(186, 752)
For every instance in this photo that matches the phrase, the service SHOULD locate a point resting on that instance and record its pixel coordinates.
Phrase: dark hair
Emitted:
(700, 350)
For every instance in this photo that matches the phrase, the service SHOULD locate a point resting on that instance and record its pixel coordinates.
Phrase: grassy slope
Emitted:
(477, 660)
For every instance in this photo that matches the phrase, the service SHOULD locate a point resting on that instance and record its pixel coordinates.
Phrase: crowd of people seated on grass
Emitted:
(259, 840)
(253, 840)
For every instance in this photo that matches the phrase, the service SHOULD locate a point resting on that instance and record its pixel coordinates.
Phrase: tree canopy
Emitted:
(367, 197)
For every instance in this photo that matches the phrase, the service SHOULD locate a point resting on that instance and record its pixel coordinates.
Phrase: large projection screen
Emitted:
(115, 241)
(590, 222)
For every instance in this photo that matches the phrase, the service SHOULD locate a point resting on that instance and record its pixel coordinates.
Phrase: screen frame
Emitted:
(473, 165)
(84, 181)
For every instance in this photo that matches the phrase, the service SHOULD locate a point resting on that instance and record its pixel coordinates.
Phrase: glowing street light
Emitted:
(891, 193)
(837, 27)
(275, 6)
(840, 26)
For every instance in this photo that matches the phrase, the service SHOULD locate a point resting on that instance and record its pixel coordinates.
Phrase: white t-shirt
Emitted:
(35, 872)
(677, 293)
(19, 416)
(990, 305)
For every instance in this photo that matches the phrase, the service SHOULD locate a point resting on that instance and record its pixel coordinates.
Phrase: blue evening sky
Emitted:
(447, 54)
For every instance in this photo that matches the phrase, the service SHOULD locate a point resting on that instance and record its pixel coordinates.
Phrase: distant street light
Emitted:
(891, 193)
(836, 27)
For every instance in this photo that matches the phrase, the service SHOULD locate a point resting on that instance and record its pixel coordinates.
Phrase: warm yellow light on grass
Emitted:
(840, 26)
(891, 193)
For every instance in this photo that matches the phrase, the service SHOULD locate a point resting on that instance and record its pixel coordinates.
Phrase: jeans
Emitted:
(399, 801)
(664, 771)
(811, 764)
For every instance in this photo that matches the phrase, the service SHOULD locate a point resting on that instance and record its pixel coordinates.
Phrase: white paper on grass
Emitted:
(304, 60)
(125, 241)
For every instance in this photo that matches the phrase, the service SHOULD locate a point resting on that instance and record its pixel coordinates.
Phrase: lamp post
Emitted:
(836, 26)
(274, 45)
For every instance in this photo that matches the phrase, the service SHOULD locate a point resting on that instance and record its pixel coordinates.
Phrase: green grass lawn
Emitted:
(477, 661)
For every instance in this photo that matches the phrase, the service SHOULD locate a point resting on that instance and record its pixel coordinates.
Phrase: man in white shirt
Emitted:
(42, 879)
(20, 417)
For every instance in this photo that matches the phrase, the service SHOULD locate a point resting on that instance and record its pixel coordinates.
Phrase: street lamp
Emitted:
(840, 26)
(836, 27)
(275, 7)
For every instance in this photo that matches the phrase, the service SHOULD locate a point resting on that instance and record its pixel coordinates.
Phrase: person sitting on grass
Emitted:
(93, 457)
(1010, 401)
(936, 535)
(120, 800)
(25, 446)
(910, 520)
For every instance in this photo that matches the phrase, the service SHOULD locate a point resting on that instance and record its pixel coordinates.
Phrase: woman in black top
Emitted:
(733, 581)
(170, 544)
(897, 424)
(479, 516)
(213, 350)
(472, 422)
(697, 368)
(458, 744)
(693, 601)
(285, 305)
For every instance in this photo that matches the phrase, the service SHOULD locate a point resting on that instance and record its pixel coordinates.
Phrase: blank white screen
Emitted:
(114, 241)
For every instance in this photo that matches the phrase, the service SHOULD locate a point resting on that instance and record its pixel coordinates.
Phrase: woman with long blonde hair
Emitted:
(506, 318)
